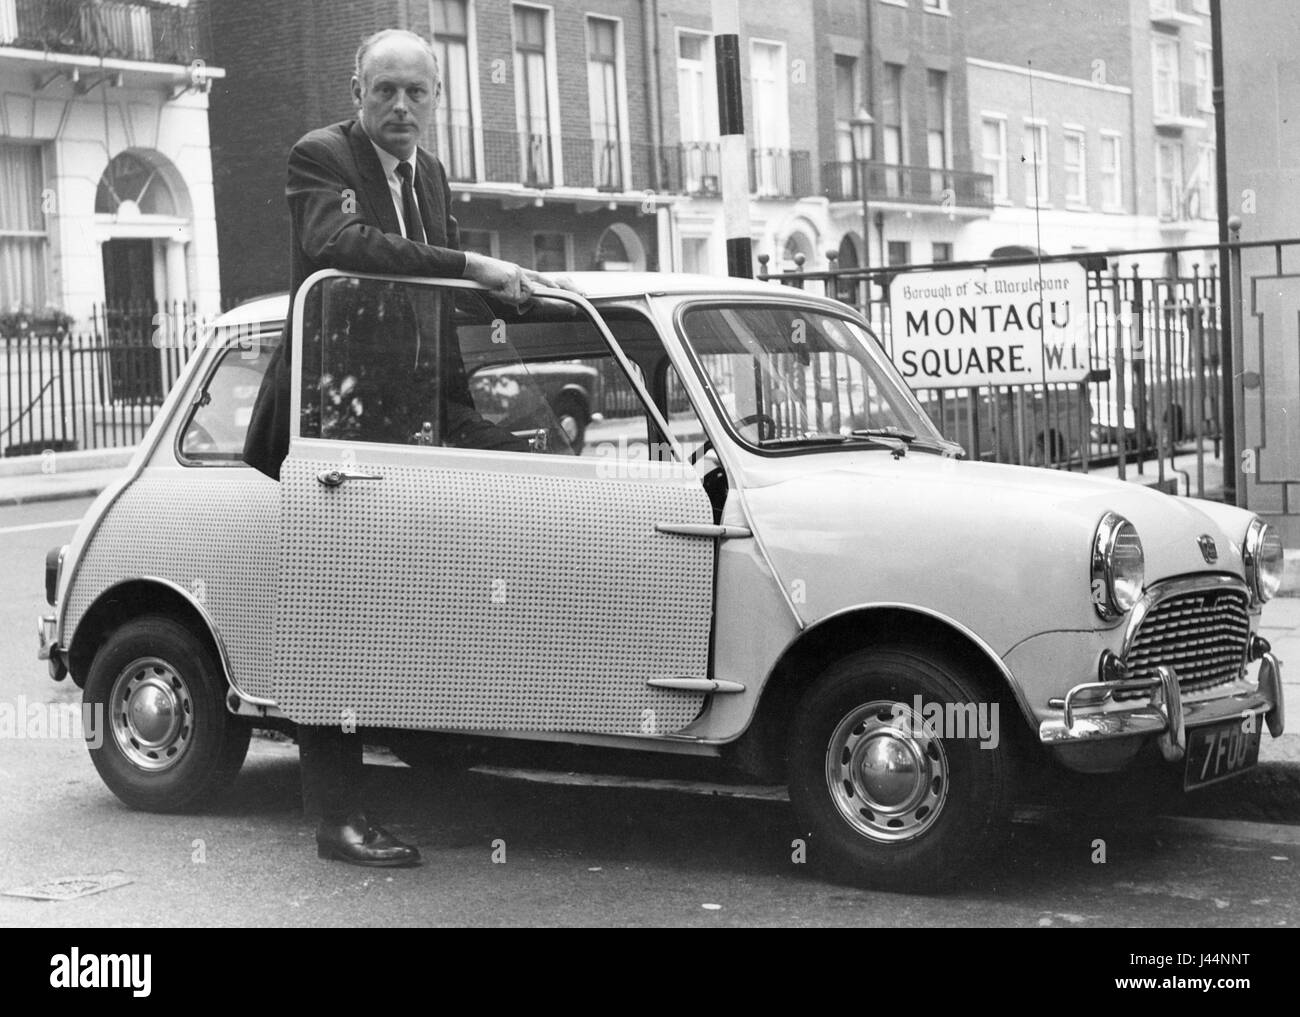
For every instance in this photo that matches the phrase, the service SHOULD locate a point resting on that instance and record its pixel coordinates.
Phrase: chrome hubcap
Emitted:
(887, 774)
(151, 714)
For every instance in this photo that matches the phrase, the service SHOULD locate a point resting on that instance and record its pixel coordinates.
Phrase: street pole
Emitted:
(1228, 398)
(734, 152)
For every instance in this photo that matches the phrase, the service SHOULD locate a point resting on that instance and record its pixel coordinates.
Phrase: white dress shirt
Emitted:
(389, 162)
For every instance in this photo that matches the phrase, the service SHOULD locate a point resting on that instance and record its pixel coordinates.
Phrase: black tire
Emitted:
(927, 819)
(167, 759)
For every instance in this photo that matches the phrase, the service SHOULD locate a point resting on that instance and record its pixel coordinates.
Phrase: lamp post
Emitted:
(860, 132)
(860, 135)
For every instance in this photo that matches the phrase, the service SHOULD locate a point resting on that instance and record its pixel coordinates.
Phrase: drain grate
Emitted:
(70, 887)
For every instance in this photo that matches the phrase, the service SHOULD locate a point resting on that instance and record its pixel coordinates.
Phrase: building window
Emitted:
(1112, 182)
(455, 118)
(551, 252)
(1204, 78)
(1035, 160)
(767, 74)
(24, 242)
(891, 114)
(1164, 69)
(993, 131)
(605, 94)
(898, 252)
(532, 97)
(847, 102)
(695, 255)
(1207, 197)
(484, 242)
(937, 147)
(936, 119)
(935, 6)
(1076, 168)
(940, 252)
(891, 129)
(698, 113)
(1169, 181)
(130, 187)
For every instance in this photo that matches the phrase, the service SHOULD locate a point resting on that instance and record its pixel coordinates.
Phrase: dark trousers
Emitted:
(331, 772)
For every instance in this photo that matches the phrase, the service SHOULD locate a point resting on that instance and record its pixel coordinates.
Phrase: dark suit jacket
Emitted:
(356, 231)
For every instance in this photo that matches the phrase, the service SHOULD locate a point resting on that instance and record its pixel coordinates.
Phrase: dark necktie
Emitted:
(411, 214)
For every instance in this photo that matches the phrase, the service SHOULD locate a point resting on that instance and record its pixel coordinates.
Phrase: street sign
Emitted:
(1013, 325)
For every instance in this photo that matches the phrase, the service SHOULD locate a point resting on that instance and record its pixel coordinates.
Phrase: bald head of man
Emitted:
(395, 88)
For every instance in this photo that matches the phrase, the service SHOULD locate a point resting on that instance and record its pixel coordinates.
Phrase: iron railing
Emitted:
(97, 388)
(890, 183)
(1153, 395)
(155, 32)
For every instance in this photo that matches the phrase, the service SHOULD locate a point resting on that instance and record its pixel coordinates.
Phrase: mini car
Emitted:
(768, 557)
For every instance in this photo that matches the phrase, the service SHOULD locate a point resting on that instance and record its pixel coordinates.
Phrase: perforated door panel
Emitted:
(446, 598)
(212, 531)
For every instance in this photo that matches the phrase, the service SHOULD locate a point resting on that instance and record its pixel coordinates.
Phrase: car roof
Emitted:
(271, 308)
(592, 285)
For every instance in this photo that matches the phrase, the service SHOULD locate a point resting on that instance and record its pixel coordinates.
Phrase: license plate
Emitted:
(1220, 751)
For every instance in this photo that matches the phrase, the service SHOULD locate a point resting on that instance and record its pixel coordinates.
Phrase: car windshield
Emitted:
(791, 377)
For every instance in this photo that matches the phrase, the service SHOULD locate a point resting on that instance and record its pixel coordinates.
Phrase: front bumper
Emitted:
(47, 632)
(1089, 713)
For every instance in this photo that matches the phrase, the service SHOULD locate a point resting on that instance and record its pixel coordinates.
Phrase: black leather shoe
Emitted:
(358, 842)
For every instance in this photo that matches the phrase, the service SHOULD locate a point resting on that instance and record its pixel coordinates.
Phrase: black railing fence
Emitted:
(1152, 392)
(96, 388)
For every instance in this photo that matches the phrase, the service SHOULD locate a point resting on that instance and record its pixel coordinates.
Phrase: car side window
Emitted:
(218, 421)
(405, 363)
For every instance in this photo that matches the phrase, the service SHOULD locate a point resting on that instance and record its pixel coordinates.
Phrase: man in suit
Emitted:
(364, 196)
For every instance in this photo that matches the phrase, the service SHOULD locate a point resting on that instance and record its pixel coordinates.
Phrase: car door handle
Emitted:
(708, 530)
(333, 478)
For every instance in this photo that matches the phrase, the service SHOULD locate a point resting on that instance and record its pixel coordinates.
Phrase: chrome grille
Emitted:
(1200, 633)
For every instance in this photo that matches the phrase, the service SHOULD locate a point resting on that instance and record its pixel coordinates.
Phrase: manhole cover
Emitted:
(70, 887)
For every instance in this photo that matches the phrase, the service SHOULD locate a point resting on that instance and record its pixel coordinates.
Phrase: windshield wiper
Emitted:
(810, 438)
(906, 437)
(901, 441)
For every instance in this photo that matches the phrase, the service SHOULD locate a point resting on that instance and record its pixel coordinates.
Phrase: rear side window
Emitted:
(218, 421)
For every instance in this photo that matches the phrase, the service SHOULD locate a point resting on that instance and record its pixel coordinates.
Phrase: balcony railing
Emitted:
(779, 173)
(694, 168)
(919, 185)
(154, 32)
(593, 162)
(519, 157)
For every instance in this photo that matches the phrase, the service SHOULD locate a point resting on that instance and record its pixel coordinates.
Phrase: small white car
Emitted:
(767, 556)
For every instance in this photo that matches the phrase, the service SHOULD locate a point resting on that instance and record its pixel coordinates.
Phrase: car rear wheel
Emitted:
(888, 775)
(163, 740)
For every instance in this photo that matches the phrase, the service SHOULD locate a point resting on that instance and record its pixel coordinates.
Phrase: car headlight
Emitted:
(1262, 554)
(1118, 566)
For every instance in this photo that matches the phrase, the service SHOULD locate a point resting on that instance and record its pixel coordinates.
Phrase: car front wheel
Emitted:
(163, 740)
(898, 769)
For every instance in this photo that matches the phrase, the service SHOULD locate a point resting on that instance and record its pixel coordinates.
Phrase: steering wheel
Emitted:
(753, 418)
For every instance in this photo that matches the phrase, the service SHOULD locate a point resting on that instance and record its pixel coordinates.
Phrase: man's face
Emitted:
(396, 95)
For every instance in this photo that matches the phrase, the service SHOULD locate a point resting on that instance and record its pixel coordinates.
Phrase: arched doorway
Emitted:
(798, 243)
(848, 256)
(142, 221)
(620, 250)
(142, 216)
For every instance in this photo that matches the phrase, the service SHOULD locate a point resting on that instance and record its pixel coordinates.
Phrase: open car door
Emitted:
(448, 560)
